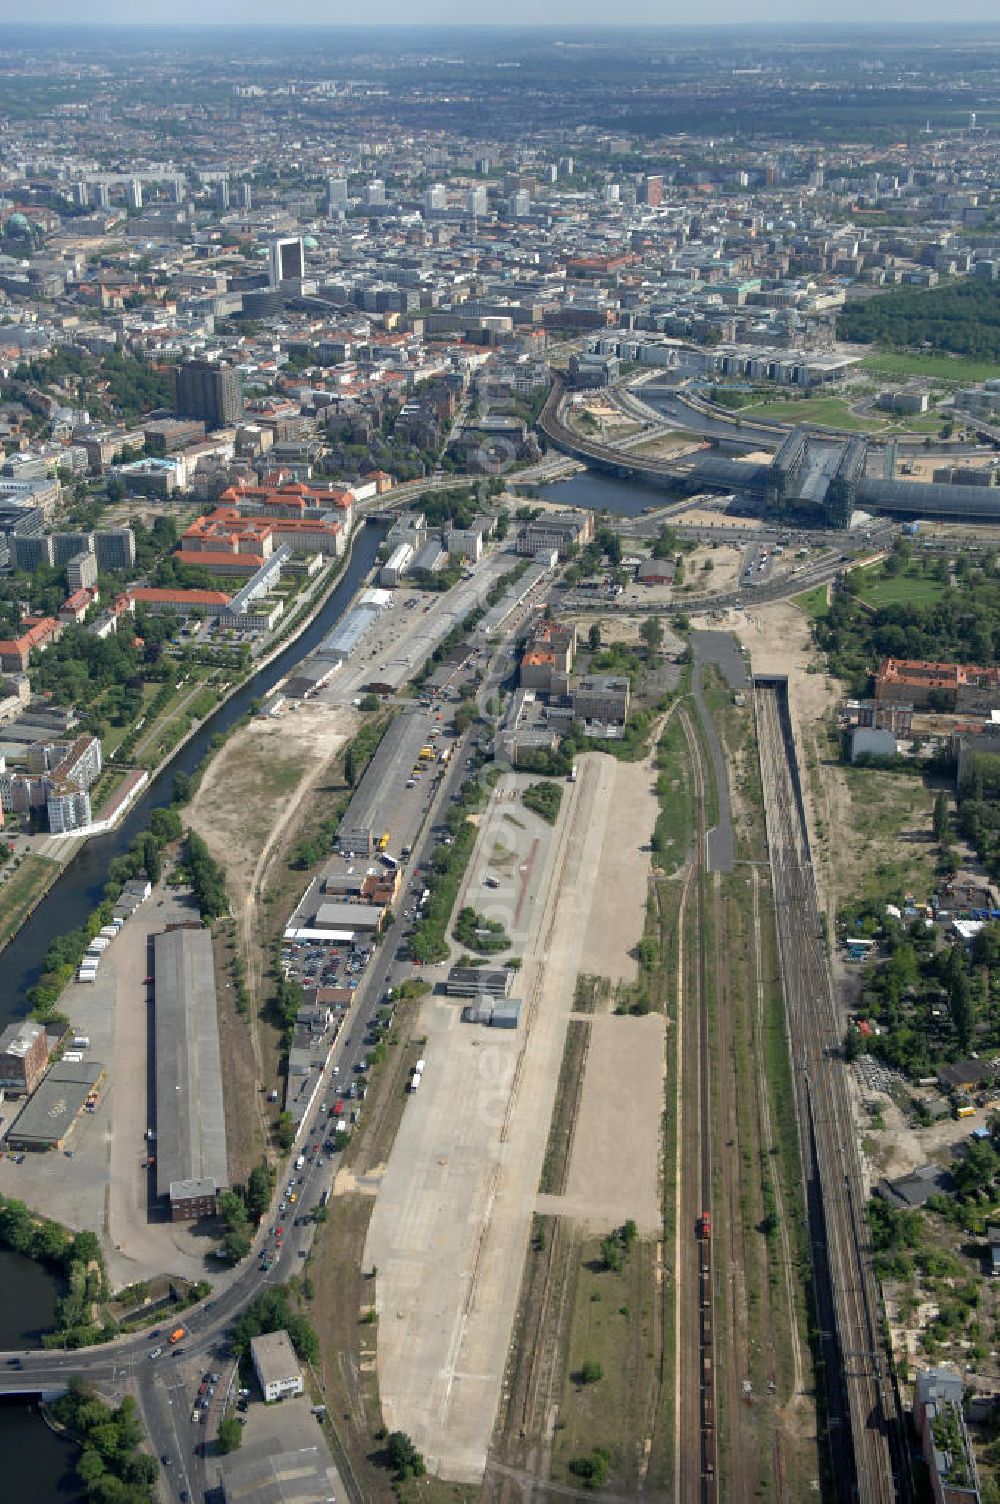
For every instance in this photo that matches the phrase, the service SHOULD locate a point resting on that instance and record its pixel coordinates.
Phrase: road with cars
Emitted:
(159, 1371)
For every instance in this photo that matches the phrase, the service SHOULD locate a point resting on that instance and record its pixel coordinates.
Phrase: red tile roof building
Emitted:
(954, 686)
(38, 633)
(160, 601)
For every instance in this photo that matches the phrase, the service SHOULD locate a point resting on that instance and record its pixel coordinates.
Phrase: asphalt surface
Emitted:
(723, 650)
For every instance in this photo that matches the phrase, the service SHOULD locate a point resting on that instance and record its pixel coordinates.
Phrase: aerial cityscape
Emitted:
(499, 762)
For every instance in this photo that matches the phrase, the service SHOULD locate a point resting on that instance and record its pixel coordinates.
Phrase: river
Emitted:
(626, 498)
(81, 887)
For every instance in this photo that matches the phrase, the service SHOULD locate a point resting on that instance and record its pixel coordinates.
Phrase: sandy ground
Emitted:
(273, 763)
(451, 1222)
(722, 576)
(779, 639)
(897, 1148)
(671, 448)
(622, 876)
(716, 517)
(617, 627)
(605, 1187)
(274, 758)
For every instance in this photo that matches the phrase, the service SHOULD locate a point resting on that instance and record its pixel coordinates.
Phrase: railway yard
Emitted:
(860, 1402)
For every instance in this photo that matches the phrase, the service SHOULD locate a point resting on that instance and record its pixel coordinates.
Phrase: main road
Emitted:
(146, 1362)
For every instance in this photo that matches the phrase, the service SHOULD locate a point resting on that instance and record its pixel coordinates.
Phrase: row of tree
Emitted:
(960, 317)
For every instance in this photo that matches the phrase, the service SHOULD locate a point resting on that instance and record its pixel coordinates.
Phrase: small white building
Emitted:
(276, 1366)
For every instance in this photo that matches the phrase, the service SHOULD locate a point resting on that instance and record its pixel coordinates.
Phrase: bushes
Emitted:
(77, 1257)
(544, 798)
(206, 876)
(272, 1312)
(617, 1245)
(428, 942)
(486, 936)
(591, 1469)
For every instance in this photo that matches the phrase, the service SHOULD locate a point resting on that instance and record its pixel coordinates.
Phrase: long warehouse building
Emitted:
(191, 1162)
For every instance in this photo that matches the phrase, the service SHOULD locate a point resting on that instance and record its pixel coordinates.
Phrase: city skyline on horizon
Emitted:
(455, 15)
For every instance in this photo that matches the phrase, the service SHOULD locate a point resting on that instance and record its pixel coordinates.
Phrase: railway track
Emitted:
(866, 1449)
(699, 1471)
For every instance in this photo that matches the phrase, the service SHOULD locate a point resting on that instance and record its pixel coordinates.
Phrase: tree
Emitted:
(89, 1468)
(258, 1190)
(350, 765)
(962, 1012)
(594, 636)
(165, 824)
(651, 633)
(151, 857)
(230, 1433)
(592, 1470)
(403, 1457)
(941, 818)
(591, 1372)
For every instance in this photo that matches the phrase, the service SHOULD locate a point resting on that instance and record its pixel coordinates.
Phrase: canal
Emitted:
(37, 1463)
(81, 887)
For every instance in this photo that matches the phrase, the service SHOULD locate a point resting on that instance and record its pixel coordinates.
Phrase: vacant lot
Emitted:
(622, 874)
(612, 1334)
(454, 1210)
(253, 791)
(613, 1171)
(21, 892)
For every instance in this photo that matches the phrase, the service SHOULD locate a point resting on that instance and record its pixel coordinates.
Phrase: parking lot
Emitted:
(102, 1180)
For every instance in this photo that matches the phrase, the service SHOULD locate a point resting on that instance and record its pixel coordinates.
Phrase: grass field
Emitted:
(21, 891)
(947, 368)
(813, 602)
(612, 1326)
(831, 411)
(907, 589)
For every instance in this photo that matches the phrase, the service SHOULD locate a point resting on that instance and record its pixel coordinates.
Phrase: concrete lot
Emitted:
(103, 1187)
(606, 1185)
(451, 1222)
(271, 1429)
(610, 943)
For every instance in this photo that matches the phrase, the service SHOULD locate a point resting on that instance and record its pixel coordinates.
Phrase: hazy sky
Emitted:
(487, 12)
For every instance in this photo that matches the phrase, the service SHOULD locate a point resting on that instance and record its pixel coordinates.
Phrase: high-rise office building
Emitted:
(435, 199)
(102, 195)
(222, 195)
(133, 194)
(81, 195)
(66, 545)
(178, 188)
(288, 264)
(246, 196)
(374, 194)
(336, 194)
(115, 549)
(476, 202)
(29, 552)
(519, 204)
(652, 191)
(208, 390)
